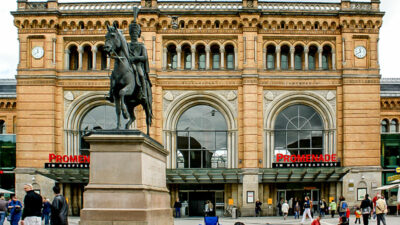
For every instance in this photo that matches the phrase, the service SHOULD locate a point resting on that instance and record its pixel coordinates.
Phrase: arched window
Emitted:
(3, 127)
(285, 57)
(298, 130)
(384, 126)
(172, 57)
(98, 118)
(271, 57)
(201, 57)
(312, 57)
(230, 57)
(298, 57)
(202, 138)
(187, 57)
(394, 126)
(216, 57)
(102, 58)
(73, 57)
(87, 57)
(326, 57)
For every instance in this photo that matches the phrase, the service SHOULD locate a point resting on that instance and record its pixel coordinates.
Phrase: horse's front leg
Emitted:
(128, 90)
(118, 110)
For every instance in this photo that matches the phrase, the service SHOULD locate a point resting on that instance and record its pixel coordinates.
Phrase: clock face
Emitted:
(360, 52)
(37, 52)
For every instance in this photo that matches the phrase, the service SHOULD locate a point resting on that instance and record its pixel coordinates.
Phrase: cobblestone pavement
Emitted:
(390, 220)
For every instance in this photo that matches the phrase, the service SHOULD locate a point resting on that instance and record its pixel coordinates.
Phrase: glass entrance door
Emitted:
(315, 200)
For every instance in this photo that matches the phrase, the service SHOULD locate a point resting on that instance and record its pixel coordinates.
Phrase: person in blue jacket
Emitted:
(46, 211)
(15, 208)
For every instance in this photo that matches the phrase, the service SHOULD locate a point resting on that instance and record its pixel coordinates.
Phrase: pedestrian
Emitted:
(46, 211)
(297, 210)
(290, 206)
(358, 215)
(15, 208)
(366, 209)
(316, 221)
(381, 210)
(279, 207)
(59, 209)
(374, 204)
(3, 209)
(332, 208)
(33, 203)
(258, 208)
(307, 211)
(343, 220)
(206, 210)
(342, 206)
(210, 208)
(322, 207)
(285, 209)
(177, 206)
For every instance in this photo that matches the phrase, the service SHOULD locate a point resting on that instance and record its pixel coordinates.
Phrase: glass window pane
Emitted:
(188, 60)
(182, 159)
(304, 139)
(202, 117)
(183, 140)
(280, 139)
(218, 159)
(202, 61)
(311, 62)
(174, 60)
(384, 126)
(292, 139)
(202, 140)
(284, 61)
(316, 139)
(230, 61)
(325, 64)
(298, 62)
(393, 126)
(216, 61)
(270, 61)
(221, 140)
(195, 158)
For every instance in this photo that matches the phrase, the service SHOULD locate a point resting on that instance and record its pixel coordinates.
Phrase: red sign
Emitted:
(306, 158)
(69, 158)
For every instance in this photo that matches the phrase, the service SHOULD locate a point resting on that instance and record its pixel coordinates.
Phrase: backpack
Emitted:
(344, 205)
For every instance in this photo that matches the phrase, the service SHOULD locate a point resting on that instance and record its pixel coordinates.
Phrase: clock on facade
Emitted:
(37, 52)
(360, 52)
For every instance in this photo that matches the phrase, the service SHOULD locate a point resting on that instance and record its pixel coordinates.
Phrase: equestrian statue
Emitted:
(130, 85)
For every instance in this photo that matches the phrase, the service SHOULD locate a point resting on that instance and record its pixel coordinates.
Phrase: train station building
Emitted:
(253, 99)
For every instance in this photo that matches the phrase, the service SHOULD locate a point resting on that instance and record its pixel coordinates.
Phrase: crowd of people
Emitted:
(34, 209)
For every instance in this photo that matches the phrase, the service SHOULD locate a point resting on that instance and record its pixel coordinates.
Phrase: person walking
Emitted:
(46, 211)
(59, 209)
(322, 207)
(210, 208)
(258, 208)
(342, 206)
(177, 206)
(366, 209)
(33, 203)
(332, 208)
(290, 202)
(358, 215)
(3, 209)
(307, 211)
(15, 208)
(297, 210)
(381, 210)
(285, 209)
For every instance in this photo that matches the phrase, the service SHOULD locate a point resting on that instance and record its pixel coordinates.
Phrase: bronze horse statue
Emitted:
(126, 87)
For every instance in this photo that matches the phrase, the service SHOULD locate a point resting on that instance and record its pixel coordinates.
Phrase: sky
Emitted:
(389, 47)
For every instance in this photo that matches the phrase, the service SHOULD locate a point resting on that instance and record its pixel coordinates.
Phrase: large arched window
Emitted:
(202, 138)
(98, 118)
(298, 130)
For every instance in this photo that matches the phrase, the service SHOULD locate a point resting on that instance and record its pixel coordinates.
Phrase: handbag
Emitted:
(366, 210)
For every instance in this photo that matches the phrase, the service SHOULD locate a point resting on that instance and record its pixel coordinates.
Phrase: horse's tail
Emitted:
(150, 102)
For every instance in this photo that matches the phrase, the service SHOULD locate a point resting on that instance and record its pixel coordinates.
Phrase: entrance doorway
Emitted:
(300, 194)
(195, 201)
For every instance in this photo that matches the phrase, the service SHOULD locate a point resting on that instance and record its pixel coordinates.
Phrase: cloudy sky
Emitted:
(389, 47)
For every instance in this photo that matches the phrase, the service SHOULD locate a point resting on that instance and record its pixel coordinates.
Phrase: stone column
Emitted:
(264, 58)
(94, 57)
(236, 59)
(222, 59)
(108, 63)
(66, 59)
(208, 57)
(292, 49)
(165, 61)
(278, 57)
(178, 55)
(80, 51)
(333, 60)
(193, 57)
(306, 50)
(320, 57)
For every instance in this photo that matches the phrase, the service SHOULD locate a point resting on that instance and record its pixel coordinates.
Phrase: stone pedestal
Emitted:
(127, 183)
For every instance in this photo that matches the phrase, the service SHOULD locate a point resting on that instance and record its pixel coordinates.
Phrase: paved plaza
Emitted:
(390, 220)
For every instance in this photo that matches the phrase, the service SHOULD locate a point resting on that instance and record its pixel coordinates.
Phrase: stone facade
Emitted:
(243, 75)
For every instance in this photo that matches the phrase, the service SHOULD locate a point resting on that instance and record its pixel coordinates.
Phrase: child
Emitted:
(358, 215)
(348, 213)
